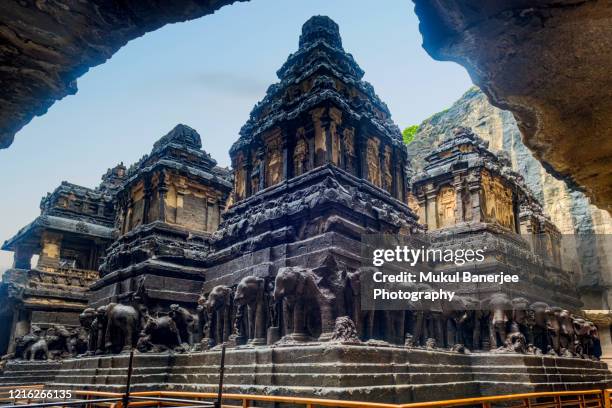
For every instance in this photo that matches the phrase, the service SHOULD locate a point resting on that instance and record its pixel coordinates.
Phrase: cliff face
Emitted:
(570, 211)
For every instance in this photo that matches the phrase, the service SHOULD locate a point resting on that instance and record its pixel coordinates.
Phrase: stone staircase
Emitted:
(326, 370)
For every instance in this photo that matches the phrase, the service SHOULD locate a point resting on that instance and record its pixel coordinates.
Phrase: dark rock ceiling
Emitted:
(549, 62)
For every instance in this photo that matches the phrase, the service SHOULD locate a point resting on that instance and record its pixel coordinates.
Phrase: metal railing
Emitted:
(94, 399)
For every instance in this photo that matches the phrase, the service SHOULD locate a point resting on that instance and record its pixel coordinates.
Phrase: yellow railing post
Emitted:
(606, 398)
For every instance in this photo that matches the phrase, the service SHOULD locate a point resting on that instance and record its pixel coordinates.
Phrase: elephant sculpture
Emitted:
(122, 324)
(304, 298)
(521, 317)
(251, 293)
(471, 327)
(567, 334)
(538, 325)
(88, 322)
(553, 327)
(364, 319)
(500, 307)
(99, 330)
(218, 305)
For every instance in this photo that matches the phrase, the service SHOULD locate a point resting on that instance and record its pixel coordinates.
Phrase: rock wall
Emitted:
(547, 62)
(570, 211)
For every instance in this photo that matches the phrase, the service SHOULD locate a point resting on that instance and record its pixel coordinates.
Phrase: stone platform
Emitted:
(355, 372)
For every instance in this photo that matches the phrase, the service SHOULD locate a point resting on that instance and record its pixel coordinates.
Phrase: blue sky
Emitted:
(208, 74)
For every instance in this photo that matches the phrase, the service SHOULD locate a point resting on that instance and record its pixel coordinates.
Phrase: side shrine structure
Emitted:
(175, 256)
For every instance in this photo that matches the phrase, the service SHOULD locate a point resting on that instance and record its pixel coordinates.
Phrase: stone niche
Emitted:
(497, 201)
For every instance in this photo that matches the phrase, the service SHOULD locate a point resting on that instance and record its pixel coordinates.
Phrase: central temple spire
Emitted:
(319, 28)
(320, 113)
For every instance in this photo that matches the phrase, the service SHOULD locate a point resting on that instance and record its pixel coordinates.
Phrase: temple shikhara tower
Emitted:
(167, 208)
(176, 256)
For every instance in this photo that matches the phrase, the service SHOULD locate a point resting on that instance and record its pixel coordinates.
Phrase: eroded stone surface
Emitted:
(46, 46)
(547, 62)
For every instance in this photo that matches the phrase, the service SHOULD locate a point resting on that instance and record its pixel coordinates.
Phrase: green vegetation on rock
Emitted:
(409, 133)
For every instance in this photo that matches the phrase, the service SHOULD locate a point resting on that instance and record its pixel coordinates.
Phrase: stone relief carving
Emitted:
(301, 157)
(373, 161)
(497, 201)
(446, 202)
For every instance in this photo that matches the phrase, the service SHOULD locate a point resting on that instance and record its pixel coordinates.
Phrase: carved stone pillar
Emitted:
(475, 190)
(21, 326)
(128, 215)
(395, 174)
(162, 190)
(310, 136)
(458, 186)
(261, 155)
(430, 210)
(248, 172)
(287, 153)
(362, 152)
(326, 128)
(146, 200)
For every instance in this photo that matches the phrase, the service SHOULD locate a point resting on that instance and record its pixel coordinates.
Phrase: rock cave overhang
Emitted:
(560, 108)
(548, 63)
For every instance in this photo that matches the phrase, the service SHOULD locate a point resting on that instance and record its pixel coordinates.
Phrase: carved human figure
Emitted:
(446, 202)
(274, 161)
(300, 155)
(251, 292)
(373, 161)
(348, 150)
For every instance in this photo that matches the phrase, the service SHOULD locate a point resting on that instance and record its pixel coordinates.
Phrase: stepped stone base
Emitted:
(356, 372)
